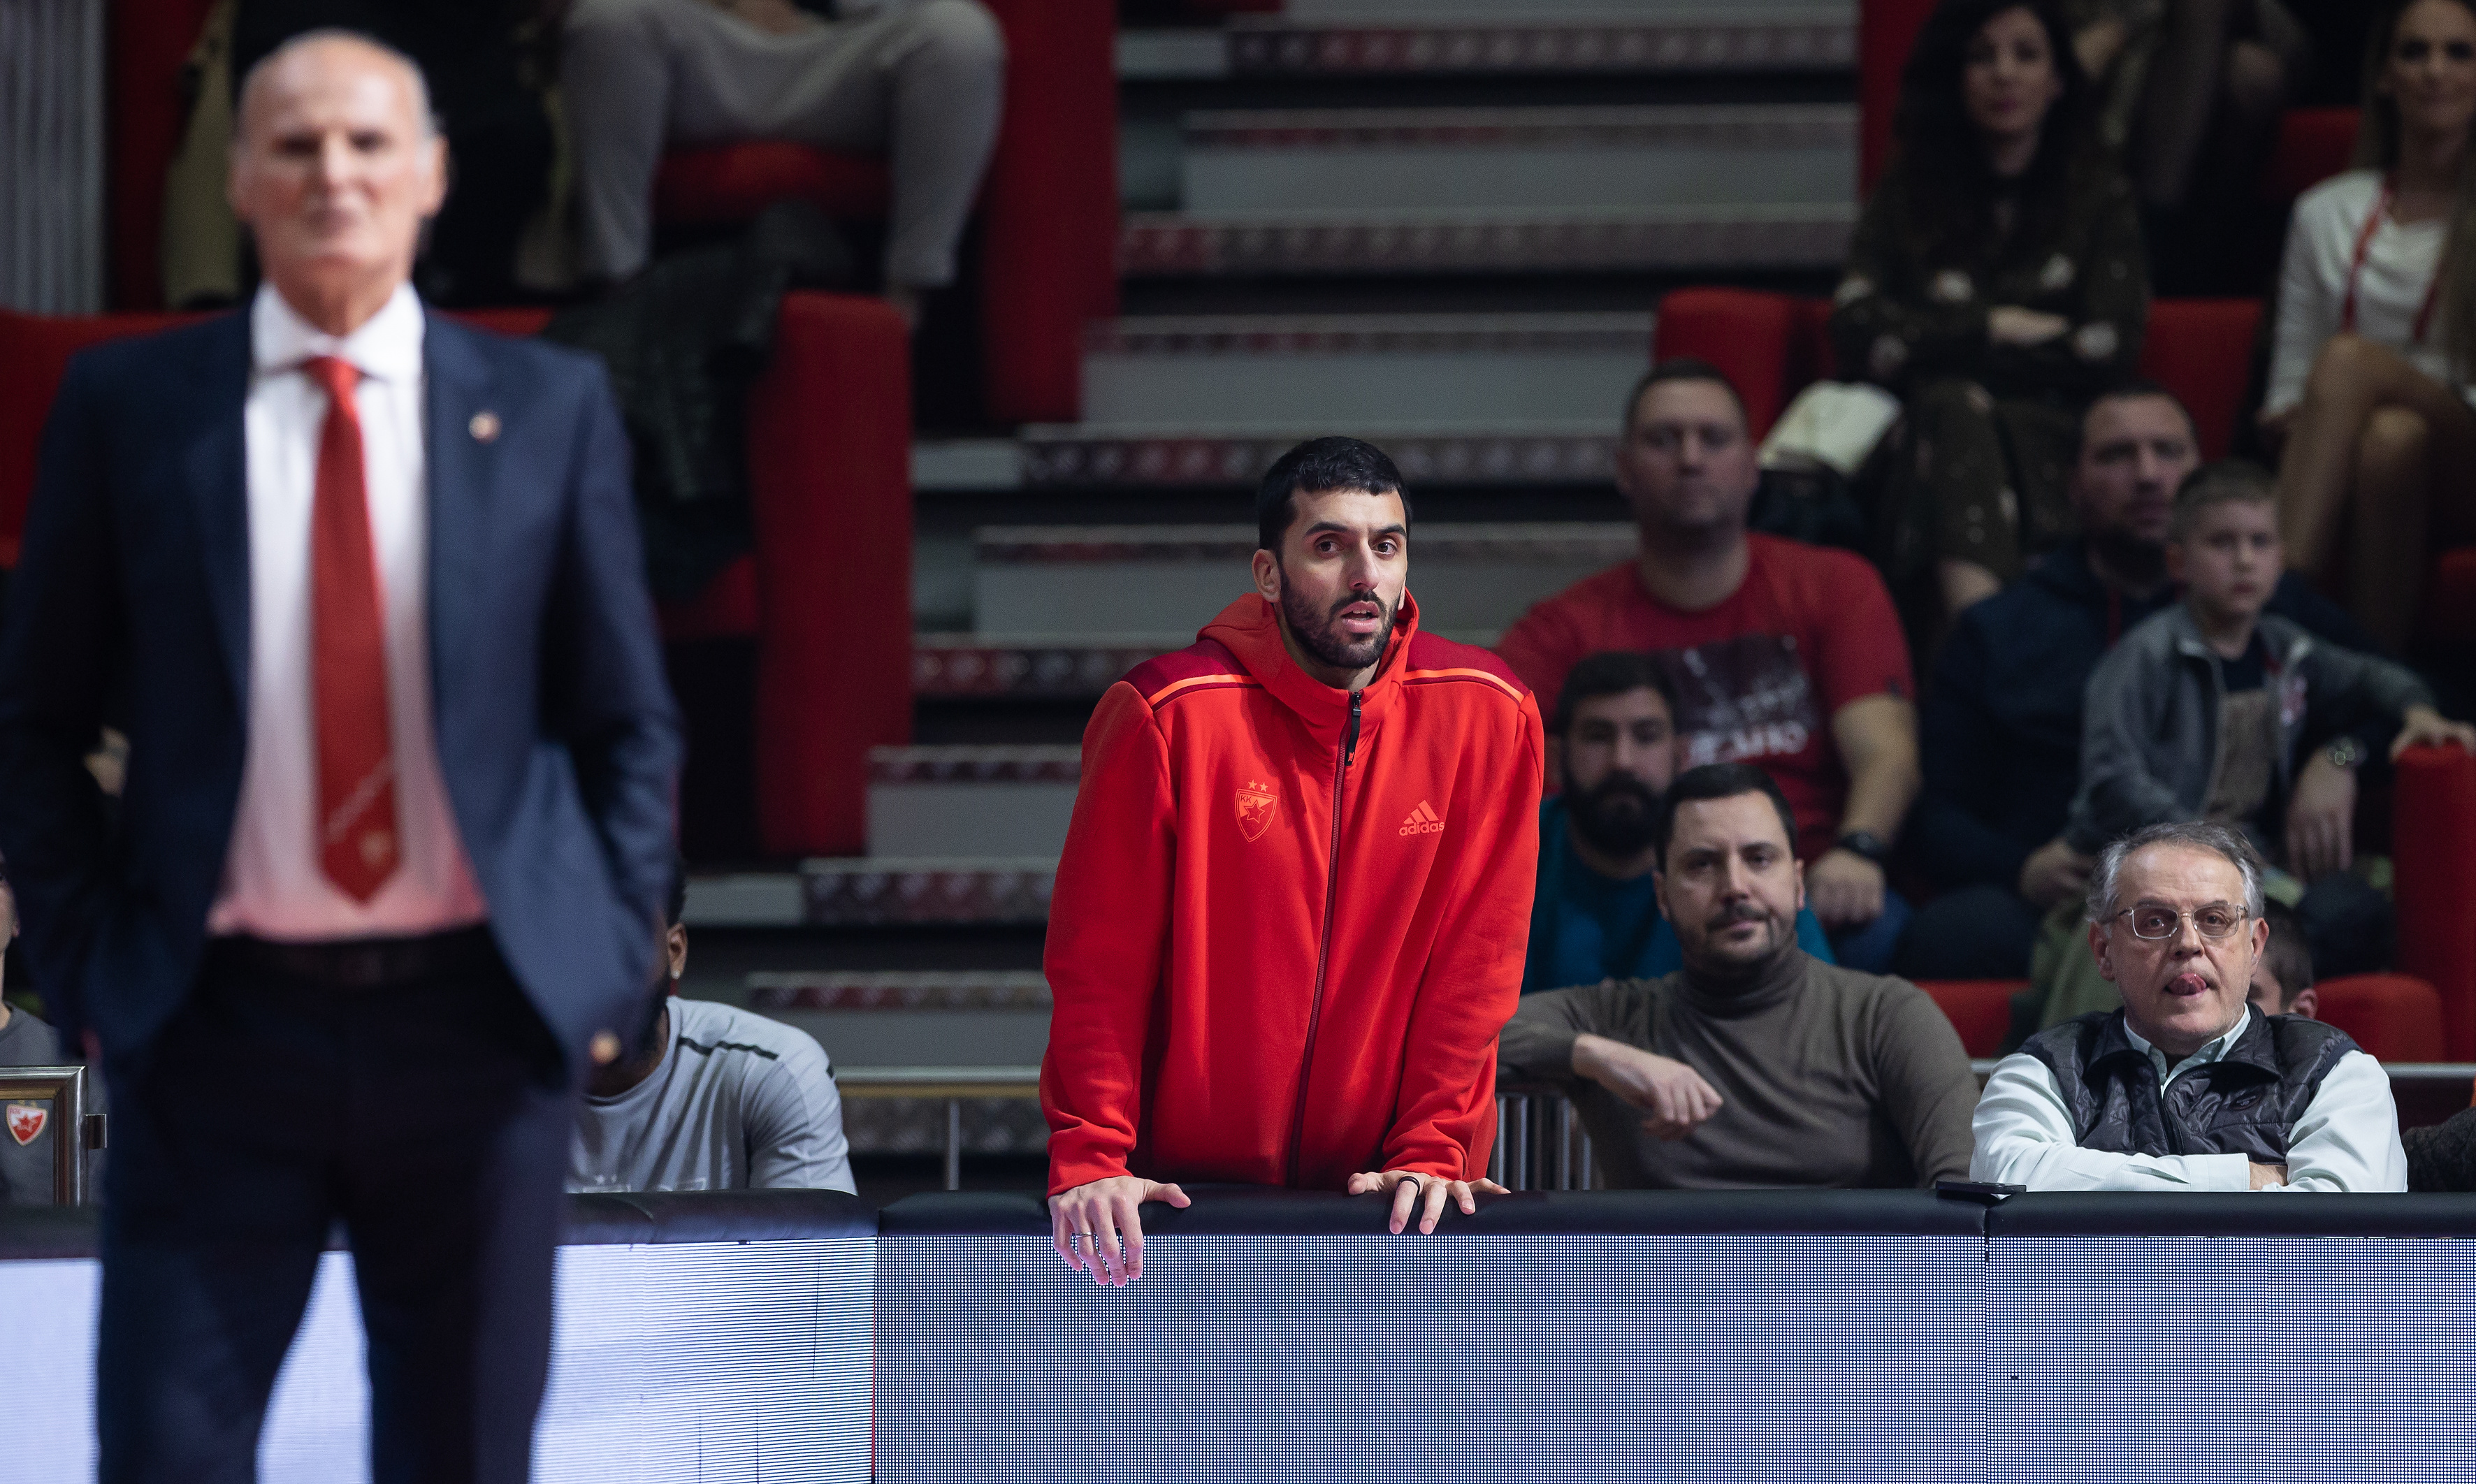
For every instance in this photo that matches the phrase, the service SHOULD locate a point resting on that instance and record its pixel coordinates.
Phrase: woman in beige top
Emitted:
(2377, 330)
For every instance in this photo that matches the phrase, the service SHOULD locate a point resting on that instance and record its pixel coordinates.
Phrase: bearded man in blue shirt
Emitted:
(1612, 741)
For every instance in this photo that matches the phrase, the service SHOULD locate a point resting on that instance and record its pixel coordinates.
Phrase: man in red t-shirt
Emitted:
(1784, 655)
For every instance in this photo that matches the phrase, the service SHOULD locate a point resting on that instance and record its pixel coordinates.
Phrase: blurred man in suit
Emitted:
(363, 588)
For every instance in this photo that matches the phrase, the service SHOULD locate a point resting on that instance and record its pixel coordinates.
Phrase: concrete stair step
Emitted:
(1152, 578)
(1054, 666)
(961, 801)
(902, 1045)
(1349, 242)
(875, 891)
(1482, 370)
(1029, 667)
(1497, 160)
(1568, 450)
(1490, 36)
(775, 992)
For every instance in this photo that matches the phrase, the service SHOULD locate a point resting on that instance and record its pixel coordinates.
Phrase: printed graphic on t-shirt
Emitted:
(1741, 699)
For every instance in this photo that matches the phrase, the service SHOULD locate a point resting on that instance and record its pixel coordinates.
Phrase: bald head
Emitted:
(322, 47)
(335, 166)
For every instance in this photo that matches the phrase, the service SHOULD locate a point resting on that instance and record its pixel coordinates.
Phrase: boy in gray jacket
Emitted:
(2213, 709)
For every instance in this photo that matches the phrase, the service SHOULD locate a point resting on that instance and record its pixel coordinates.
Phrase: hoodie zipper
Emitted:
(1324, 944)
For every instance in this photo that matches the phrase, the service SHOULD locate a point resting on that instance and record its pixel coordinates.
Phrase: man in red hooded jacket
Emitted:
(1292, 912)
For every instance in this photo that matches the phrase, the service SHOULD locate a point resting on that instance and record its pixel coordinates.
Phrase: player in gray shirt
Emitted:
(721, 1099)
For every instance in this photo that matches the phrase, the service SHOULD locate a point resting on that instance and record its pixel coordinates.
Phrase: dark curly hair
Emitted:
(1951, 191)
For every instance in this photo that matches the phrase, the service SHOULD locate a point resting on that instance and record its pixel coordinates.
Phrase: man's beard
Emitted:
(1618, 817)
(1729, 968)
(1318, 634)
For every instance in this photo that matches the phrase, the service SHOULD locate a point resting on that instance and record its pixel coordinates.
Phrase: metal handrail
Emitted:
(1537, 1146)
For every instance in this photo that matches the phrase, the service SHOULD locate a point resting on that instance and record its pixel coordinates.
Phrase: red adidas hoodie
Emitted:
(1289, 922)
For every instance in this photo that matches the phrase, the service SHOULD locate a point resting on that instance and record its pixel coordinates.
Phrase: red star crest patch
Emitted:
(26, 1121)
(1255, 805)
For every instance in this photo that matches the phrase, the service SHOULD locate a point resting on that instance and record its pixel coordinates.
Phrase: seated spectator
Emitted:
(2204, 711)
(2188, 96)
(2201, 712)
(716, 1099)
(2369, 383)
(2282, 977)
(918, 80)
(2186, 1087)
(1755, 1064)
(1995, 283)
(2000, 722)
(1779, 654)
(2443, 1156)
(1612, 741)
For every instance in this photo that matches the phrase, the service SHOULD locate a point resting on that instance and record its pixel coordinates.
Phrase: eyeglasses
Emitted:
(2157, 924)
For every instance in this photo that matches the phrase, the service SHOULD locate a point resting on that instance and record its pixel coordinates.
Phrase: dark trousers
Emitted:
(429, 1116)
(1978, 932)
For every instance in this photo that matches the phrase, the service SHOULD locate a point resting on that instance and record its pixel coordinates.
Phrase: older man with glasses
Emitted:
(2186, 1087)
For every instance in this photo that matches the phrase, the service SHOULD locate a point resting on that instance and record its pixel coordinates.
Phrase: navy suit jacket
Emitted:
(556, 731)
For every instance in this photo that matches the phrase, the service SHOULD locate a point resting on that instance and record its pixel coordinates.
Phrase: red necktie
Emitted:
(358, 846)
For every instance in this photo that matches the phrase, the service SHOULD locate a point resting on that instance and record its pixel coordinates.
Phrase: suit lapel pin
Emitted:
(484, 426)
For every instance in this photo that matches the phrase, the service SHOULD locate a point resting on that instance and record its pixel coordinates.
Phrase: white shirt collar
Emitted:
(386, 346)
(2211, 1051)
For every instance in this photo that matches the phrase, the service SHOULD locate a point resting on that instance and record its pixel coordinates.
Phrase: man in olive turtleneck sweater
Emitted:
(1756, 1065)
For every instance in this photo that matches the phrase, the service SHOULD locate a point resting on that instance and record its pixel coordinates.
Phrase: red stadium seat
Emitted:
(2433, 850)
(1886, 31)
(731, 183)
(2314, 144)
(2449, 614)
(2396, 1017)
(1770, 345)
(1979, 1009)
(2200, 347)
(828, 467)
(1048, 208)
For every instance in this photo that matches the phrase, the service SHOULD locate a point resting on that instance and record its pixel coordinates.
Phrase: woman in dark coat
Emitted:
(1996, 284)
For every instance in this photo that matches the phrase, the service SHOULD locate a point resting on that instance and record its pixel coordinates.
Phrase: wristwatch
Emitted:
(1867, 844)
(2344, 753)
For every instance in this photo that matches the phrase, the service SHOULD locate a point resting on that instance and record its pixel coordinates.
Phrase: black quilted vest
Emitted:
(2243, 1104)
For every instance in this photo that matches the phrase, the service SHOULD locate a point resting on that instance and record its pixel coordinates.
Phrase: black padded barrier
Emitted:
(1254, 1211)
(49, 1233)
(2251, 1214)
(656, 1218)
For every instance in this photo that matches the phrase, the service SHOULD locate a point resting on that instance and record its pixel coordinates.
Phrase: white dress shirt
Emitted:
(2347, 1140)
(273, 887)
(2390, 290)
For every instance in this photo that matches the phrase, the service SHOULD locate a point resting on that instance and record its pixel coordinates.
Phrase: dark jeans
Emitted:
(1978, 932)
(1867, 947)
(431, 1118)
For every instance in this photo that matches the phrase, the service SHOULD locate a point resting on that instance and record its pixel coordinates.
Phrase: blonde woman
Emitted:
(2377, 330)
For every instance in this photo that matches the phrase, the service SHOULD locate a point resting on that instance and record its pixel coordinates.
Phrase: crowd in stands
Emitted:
(2130, 661)
(2131, 777)
(566, 207)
